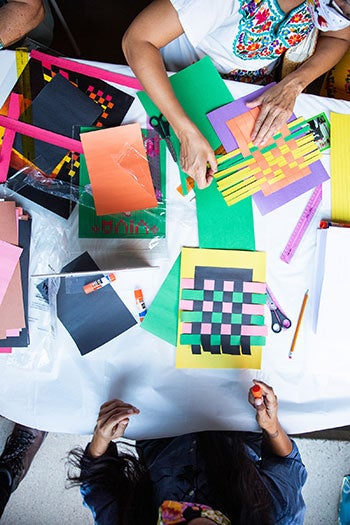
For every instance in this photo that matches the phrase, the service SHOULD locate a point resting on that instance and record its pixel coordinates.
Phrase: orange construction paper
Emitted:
(118, 169)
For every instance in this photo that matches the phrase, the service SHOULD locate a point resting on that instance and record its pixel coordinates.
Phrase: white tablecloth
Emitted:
(51, 386)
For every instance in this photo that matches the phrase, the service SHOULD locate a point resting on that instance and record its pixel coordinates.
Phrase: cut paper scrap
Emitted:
(221, 309)
(9, 257)
(85, 69)
(118, 169)
(8, 138)
(340, 167)
(140, 224)
(220, 119)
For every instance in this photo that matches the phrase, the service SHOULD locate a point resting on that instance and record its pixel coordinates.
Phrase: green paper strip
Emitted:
(257, 340)
(215, 340)
(192, 295)
(258, 298)
(191, 317)
(236, 319)
(257, 320)
(190, 339)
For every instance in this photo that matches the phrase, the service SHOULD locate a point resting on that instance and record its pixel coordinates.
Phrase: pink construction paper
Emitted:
(184, 304)
(9, 257)
(41, 134)
(228, 286)
(254, 287)
(9, 137)
(207, 306)
(254, 330)
(253, 309)
(187, 328)
(209, 284)
(206, 328)
(85, 69)
(268, 203)
(4, 350)
(227, 308)
(187, 284)
(225, 329)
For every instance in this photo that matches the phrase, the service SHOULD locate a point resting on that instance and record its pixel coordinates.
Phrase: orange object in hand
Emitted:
(256, 391)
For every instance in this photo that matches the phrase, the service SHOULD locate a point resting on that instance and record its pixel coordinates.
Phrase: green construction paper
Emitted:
(162, 315)
(221, 226)
(199, 89)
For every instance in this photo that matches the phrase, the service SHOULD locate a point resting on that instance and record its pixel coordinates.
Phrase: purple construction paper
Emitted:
(221, 115)
(268, 203)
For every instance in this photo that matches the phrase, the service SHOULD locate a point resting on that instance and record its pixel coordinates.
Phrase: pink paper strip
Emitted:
(253, 309)
(206, 328)
(228, 286)
(254, 330)
(184, 304)
(9, 257)
(5, 350)
(8, 138)
(208, 306)
(41, 134)
(187, 283)
(91, 71)
(187, 328)
(225, 329)
(12, 332)
(209, 284)
(254, 287)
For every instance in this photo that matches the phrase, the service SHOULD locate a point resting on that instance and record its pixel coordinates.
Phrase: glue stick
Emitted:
(140, 303)
(256, 391)
(99, 283)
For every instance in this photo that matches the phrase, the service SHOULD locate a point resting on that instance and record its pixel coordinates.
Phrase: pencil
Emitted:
(300, 318)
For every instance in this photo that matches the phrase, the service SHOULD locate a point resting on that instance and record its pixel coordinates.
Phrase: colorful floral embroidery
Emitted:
(265, 31)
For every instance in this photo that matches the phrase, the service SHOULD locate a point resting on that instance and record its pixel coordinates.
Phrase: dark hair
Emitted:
(239, 492)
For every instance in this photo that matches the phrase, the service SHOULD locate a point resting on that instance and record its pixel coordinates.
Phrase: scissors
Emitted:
(161, 125)
(279, 319)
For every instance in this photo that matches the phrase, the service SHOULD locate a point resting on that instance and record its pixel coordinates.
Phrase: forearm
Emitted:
(97, 447)
(18, 18)
(329, 51)
(146, 62)
(277, 440)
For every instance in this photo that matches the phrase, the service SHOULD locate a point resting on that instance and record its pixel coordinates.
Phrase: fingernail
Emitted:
(258, 401)
(130, 411)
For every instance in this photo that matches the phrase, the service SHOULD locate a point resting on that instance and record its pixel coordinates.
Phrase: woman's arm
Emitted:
(278, 102)
(19, 17)
(152, 29)
(112, 421)
(266, 415)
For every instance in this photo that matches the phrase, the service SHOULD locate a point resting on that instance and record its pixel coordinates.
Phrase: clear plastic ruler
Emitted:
(302, 225)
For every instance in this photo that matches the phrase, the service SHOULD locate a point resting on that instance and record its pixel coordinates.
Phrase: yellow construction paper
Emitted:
(340, 166)
(192, 257)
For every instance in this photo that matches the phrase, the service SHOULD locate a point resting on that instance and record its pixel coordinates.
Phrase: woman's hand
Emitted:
(266, 407)
(112, 421)
(197, 158)
(276, 106)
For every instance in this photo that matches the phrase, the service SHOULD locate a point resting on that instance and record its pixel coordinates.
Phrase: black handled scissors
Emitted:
(161, 125)
(279, 319)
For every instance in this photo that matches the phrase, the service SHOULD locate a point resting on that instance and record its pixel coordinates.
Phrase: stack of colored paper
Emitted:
(15, 226)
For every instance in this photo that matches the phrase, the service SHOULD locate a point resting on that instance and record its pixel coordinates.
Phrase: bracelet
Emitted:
(1, 44)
